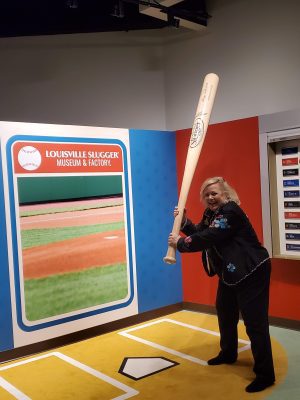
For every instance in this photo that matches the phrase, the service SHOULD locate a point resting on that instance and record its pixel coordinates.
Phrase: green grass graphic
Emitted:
(63, 293)
(38, 237)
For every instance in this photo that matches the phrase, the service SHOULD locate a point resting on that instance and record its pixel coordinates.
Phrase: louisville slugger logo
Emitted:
(197, 132)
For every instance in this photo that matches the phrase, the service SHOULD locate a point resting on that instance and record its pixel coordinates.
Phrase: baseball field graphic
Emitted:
(73, 249)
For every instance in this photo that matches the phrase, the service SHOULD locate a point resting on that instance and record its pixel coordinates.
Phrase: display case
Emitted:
(285, 197)
(280, 184)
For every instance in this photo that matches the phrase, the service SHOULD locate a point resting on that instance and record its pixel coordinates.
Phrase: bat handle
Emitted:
(170, 256)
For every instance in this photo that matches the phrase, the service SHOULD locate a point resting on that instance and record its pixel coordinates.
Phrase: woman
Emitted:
(230, 249)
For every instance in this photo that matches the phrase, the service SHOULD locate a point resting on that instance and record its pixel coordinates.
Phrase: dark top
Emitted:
(228, 241)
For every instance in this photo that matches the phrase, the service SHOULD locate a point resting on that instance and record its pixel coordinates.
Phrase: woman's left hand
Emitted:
(173, 239)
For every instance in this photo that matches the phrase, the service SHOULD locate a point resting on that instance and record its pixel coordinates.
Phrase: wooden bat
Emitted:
(200, 125)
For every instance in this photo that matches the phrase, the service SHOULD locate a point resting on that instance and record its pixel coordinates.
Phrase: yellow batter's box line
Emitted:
(129, 392)
(172, 351)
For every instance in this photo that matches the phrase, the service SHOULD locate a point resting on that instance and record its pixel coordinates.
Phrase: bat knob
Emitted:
(169, 260)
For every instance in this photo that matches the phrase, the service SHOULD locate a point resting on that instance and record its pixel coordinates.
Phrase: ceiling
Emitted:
(51, 17)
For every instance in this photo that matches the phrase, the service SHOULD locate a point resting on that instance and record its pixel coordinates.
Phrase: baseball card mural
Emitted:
(72, 240)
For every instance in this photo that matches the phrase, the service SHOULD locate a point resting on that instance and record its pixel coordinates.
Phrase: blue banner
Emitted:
(292, 236)
(291, 182)
(291, 193)
(289, 150)
(295, 247)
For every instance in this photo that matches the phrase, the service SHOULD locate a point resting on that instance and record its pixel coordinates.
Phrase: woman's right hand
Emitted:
(176, 212)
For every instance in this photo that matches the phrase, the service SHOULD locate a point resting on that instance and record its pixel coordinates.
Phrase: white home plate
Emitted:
(111, 237)
(140, 367)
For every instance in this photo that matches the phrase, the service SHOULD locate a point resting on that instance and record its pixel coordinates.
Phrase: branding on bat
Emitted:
(197, 132)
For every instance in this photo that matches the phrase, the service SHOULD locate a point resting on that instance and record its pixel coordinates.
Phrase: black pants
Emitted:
(251, 298)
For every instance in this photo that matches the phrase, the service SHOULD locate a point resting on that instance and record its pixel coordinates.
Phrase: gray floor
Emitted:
(290, 341)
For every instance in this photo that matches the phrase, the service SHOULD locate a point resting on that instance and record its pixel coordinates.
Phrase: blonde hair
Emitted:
(230, 193)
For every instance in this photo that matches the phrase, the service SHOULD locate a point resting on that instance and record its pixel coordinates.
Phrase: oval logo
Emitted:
(197, 132)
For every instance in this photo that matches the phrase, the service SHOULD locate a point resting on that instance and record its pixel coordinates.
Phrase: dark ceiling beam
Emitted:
(174, 12)
(51, 17)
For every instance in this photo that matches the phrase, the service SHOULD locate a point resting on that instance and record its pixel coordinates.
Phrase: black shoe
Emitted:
(220, 359)
(258, 385)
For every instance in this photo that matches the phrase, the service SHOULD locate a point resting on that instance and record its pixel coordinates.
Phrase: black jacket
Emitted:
(228, 241)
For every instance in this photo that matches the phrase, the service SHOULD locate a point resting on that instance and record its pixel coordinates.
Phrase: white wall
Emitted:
(148, 80)
(93, 79)
(253, 46)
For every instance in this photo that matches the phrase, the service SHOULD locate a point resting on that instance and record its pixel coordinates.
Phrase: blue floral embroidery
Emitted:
(220, 222)
(230, 267)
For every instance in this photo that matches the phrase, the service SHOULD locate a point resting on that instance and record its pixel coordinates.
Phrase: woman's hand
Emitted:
(184, 217)
(176, 212)
(173, 239)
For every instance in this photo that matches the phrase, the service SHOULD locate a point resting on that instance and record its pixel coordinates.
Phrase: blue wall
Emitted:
(154, 187)
(6, 338)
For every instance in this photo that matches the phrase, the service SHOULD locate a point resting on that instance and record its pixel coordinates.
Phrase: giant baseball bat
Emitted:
(201, 120)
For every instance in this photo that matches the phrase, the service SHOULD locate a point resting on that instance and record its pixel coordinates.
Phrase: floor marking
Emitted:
(111, 237)
(13, 390)
(141, 367)
(171, 351)
(129, 392)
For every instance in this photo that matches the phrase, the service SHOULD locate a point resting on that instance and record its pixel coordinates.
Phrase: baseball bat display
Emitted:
(201, 120)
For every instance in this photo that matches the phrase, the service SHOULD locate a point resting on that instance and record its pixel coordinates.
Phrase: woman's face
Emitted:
(214, 196)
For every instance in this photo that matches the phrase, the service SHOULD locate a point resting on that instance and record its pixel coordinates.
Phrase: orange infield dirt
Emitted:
(76, 254)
